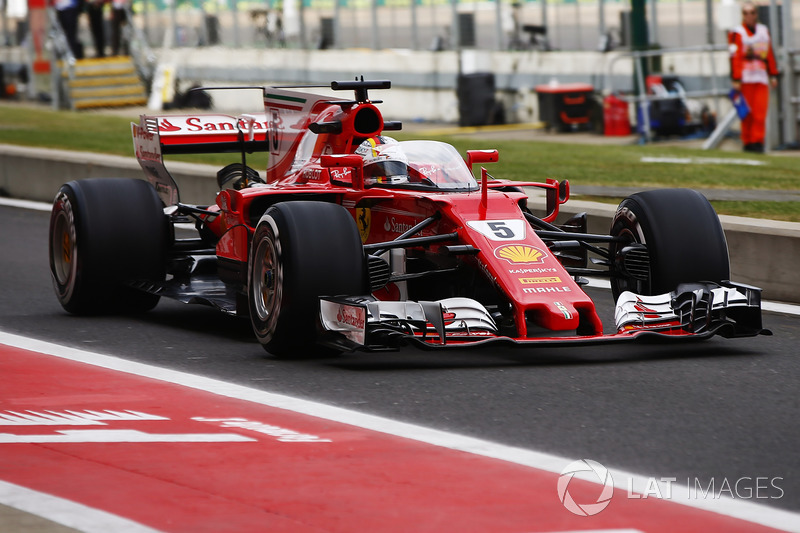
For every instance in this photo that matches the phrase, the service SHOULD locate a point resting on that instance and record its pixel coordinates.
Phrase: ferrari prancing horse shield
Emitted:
(363, 220)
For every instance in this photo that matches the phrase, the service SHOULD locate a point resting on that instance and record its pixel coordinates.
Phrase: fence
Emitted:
(417, 24)
(428, 24)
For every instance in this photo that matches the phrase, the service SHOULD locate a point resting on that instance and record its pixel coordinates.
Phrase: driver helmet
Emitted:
(384, 161)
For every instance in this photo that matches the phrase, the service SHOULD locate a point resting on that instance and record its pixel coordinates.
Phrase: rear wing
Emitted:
(147, 147)
(155, 136)
(212, 133)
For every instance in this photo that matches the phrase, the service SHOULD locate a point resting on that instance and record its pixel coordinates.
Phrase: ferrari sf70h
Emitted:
(355, 240)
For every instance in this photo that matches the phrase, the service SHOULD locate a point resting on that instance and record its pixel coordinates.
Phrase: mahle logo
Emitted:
(591, 471)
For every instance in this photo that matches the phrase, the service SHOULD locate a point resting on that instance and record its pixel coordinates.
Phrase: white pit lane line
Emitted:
(26, 204)
(66, 512)
(739, 509)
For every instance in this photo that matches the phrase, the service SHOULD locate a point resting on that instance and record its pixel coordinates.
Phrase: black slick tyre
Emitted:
(104, 233)
(301, 250)
(683, 238)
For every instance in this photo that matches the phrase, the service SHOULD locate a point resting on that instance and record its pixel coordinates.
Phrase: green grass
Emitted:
(582, 164)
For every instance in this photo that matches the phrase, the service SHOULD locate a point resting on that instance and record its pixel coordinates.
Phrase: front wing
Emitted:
(692, 311)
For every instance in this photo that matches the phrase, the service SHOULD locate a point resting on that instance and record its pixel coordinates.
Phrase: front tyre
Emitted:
(300, 251)
(682, 237)
(104, 233)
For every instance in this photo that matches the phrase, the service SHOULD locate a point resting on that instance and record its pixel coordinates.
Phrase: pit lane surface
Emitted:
(715, 411)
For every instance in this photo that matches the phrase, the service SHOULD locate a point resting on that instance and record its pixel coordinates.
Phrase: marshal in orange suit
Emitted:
(753, 72)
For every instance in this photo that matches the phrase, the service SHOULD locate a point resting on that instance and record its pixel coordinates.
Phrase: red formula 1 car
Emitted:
(357, 241)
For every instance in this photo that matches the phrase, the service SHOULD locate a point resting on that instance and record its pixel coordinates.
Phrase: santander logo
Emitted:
(166, 126)
(209, 124)
(351, 316)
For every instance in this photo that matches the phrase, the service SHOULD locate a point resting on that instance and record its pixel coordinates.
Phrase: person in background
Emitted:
(753, 72)
(95, 9)
(67, 12)
(119, 17)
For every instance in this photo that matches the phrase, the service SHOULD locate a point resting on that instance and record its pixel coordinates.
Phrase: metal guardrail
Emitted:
(61, 58)
(642, 99)
(795, 57)
(143, 56)
(794, 100)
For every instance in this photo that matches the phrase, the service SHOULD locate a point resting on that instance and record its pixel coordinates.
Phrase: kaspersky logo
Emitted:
(589, 470)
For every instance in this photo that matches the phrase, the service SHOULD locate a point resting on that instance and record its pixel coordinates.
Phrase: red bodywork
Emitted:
(311, 140)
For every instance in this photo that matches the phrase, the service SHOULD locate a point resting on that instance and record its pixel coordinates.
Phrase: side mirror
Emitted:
(555, 195)
(355, 162)
(481, 156)
(563, 191)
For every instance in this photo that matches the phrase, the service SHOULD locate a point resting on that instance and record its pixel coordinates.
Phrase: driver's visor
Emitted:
(385, 169)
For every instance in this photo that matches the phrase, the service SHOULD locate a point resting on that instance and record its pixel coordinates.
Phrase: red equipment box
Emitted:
(615, 116)
(565, 106)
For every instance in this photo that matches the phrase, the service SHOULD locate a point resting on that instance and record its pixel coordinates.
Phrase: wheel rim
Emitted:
(266, 280)
(64, 251)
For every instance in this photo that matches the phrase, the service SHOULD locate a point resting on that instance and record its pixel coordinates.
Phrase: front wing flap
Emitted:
(375, 324)
(728, 309)
(692, 311)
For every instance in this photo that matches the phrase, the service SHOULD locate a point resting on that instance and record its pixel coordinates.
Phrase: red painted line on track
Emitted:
(274, 481)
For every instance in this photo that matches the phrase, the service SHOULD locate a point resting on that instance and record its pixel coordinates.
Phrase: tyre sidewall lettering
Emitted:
(267, 229)
(630, 222)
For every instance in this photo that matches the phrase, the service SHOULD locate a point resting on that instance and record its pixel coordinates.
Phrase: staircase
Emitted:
(105, 82)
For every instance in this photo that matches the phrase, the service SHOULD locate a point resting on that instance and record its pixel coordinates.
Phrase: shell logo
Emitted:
(520, 253)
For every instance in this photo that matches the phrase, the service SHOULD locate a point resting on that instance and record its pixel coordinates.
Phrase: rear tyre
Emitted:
(683, 238)
(104, 233)
(300, 251)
